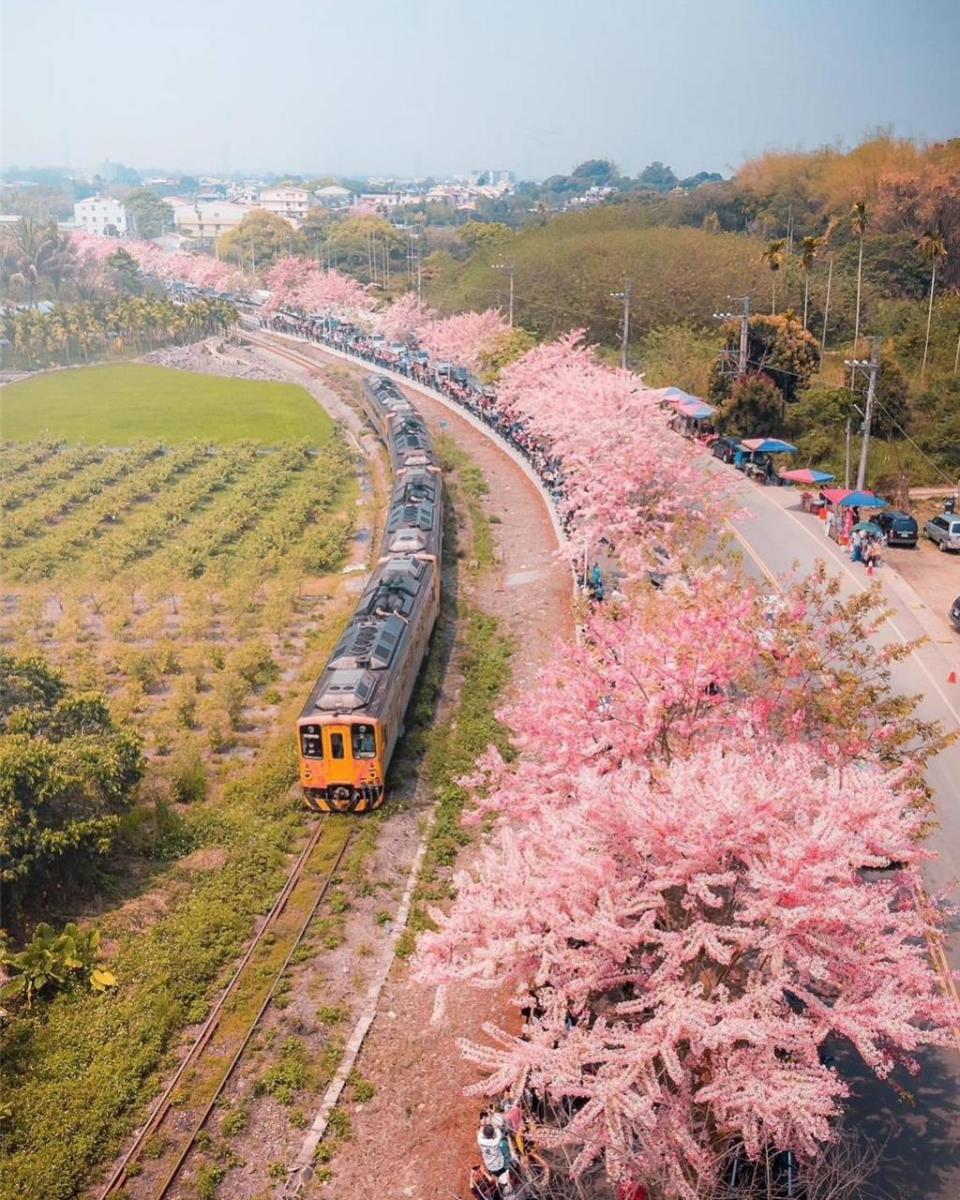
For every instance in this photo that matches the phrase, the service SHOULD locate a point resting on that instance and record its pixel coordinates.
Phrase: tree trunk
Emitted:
(956, 357)
(773, 303)
(926, 340)
(806, 297)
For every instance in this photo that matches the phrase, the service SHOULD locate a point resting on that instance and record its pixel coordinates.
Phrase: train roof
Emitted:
(414, 514)
(355, 678)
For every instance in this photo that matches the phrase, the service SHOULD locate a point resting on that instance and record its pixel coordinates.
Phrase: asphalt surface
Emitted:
(915, 1119)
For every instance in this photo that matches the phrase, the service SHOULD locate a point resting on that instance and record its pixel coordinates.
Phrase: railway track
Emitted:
(210, 1062)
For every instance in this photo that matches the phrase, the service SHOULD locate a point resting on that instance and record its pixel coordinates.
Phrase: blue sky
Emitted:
(437, 86)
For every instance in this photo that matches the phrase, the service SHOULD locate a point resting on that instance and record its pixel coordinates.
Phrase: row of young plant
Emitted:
(143, 529)
(697, 801)
(19, 457)
(54, 503)
(47, 471)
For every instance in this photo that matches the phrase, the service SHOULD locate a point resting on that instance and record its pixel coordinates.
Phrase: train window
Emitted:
(310, 744)
(364, 743)
(336, 745)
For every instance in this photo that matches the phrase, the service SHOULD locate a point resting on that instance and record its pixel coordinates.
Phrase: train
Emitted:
(353, 718)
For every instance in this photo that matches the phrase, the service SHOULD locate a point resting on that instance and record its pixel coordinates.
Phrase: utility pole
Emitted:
(826, 312)
(625, 332)
(873, 366)
(744, 318)
(509, 268)
(846, 460)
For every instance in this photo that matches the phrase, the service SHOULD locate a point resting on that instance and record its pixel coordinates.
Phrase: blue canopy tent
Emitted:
(863, 500)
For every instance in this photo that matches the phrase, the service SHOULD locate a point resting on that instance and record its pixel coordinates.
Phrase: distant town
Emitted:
(200, 209)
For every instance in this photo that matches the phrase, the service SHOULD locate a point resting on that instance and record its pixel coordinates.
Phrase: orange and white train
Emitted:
(353, 717)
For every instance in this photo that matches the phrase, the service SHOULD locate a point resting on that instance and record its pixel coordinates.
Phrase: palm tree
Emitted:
(860, 219)
(773, 257)
(933, 249)
(809, 248)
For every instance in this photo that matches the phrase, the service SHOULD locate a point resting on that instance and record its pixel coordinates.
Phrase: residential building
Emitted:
(292, 203)
(102, 215)
(208, 219)
(334, 196)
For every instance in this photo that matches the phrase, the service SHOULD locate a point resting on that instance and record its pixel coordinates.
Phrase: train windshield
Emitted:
(364, 744)
(311, 745)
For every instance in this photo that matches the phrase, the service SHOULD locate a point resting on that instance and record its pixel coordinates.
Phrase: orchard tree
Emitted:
(67, 772)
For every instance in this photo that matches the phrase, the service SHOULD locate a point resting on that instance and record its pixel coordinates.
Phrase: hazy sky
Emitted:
(443, 86)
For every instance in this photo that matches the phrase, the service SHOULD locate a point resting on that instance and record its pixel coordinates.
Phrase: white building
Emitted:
(334, 196)
(208, 218)
(291, 203)
(102, 215)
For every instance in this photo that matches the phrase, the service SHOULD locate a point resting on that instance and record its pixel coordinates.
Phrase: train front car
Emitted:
(351, 722)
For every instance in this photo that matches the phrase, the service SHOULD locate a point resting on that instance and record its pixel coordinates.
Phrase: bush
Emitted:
(254, 663)
(188, 776)
(67, 773)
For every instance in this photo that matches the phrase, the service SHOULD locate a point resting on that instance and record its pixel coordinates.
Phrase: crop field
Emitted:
(117, 404)
(183, 580)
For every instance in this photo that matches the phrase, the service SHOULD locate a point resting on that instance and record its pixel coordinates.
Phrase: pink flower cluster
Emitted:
(464, 338)
(199, 269)
(303, 284)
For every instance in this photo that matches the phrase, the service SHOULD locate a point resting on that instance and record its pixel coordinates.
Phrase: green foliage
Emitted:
(52, 960)
(778, 346)
(754, 408)
(361, 1089)
(261, 237)
(151, 216)
(234, 1122)
(566, 270)
(332, 1014)
(122, 403)
(508, 347)
(75, 1077)
(679, 356)
(288, 1075)
(208, 1179)
(188, 776)
(67, 772)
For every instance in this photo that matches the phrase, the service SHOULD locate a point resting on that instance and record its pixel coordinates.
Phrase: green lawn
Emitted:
(113, 405)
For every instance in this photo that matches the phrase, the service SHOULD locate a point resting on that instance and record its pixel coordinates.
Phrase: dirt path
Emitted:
(415, 1137)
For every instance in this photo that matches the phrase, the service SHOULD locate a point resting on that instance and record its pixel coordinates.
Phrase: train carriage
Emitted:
(349, 726)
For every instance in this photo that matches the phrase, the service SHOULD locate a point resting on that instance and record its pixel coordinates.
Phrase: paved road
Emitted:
(921, 1128)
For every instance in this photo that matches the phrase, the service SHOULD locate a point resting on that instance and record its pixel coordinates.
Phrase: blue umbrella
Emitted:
(768, 446)
(863, 500)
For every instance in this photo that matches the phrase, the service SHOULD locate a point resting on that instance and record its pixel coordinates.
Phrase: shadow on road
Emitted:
(917, 1121)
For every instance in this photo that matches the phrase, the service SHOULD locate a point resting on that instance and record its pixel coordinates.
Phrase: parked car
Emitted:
(955, 614)
(899, 528)
(944, 530)
(725, 448)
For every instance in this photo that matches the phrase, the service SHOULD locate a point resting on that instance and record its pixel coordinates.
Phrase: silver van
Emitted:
(944, 530)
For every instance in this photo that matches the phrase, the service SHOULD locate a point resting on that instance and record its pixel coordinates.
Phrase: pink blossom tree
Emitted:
(405, 318)
(629, 478)
(683, 940)
(463, 338)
